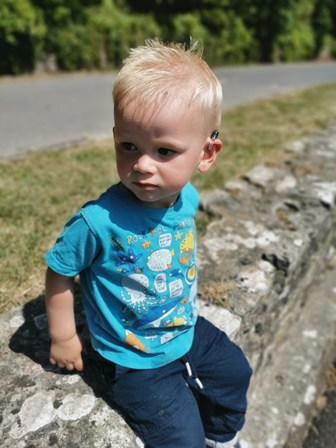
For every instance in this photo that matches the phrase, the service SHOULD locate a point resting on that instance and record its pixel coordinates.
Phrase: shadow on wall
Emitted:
(32, 340)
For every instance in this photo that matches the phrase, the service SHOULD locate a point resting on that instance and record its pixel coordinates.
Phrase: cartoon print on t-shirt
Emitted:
(156, 315)
(186, 248)
(130, 259)
(138, 298)
(164, 297)
(160, 260)
(132, 340)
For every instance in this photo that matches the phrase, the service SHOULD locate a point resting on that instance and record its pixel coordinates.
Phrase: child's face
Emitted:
(157, 151)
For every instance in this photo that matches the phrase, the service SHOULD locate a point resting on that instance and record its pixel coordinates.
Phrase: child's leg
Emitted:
(220, 376)
(157, 404)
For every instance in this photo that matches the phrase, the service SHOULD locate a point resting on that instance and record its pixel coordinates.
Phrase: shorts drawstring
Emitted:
(190, 373)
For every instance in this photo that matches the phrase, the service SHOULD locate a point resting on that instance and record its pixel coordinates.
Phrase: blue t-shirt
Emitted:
(138, 275)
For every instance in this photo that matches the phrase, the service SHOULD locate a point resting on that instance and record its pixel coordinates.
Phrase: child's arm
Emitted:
(66, 346)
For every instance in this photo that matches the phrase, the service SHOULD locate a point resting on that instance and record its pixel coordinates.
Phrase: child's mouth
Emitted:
(145, 185)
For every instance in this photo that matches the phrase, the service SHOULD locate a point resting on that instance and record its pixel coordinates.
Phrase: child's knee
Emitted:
(242, 370)
(246, 370)
(234, 372)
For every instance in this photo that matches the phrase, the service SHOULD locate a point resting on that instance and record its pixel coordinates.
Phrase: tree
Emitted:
(22, 30)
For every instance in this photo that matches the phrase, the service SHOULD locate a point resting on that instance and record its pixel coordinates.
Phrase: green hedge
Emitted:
(96, 34)
(118, 31)
(22, 32)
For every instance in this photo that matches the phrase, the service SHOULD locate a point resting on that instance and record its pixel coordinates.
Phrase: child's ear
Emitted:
(209, 155)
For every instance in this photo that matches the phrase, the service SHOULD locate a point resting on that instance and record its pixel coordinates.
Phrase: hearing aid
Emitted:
(213, 137)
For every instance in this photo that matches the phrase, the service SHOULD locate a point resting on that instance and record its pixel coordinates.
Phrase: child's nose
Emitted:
(144, 165)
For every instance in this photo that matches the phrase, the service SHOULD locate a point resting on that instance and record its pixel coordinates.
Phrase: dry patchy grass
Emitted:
(38, 194)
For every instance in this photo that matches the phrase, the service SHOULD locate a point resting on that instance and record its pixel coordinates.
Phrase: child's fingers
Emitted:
(78, 364)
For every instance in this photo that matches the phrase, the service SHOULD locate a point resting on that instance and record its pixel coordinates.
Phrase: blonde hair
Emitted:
(156, 73)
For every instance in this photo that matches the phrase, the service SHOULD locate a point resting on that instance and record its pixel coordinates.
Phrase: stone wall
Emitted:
(267, 268)
(269, 256)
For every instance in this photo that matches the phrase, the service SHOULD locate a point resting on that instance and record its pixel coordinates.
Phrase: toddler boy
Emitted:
(179, 381)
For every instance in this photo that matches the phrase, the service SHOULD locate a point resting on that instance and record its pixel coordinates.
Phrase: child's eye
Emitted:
(166, 152)
(129, 146)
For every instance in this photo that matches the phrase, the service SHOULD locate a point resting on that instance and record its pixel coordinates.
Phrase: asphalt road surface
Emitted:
(52, 111)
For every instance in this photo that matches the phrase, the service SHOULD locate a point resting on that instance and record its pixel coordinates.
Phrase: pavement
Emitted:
(60, 110)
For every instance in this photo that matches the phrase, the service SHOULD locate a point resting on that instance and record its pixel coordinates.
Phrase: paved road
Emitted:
(52, 111)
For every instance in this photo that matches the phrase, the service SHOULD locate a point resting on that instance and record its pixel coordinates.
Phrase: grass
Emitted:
(40, 192)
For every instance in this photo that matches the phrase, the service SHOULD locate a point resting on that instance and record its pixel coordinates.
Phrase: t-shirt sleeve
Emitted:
(75, 248)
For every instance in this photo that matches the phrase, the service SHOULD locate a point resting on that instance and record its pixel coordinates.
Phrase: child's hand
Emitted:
(67, 354)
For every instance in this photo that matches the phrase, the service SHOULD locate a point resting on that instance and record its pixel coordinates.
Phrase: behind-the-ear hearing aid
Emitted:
(213, 137)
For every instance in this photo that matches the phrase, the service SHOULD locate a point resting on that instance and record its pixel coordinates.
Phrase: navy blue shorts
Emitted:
(193, 402)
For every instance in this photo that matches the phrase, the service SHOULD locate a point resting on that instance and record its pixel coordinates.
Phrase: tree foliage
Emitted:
(86, 34)
(21, 36)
